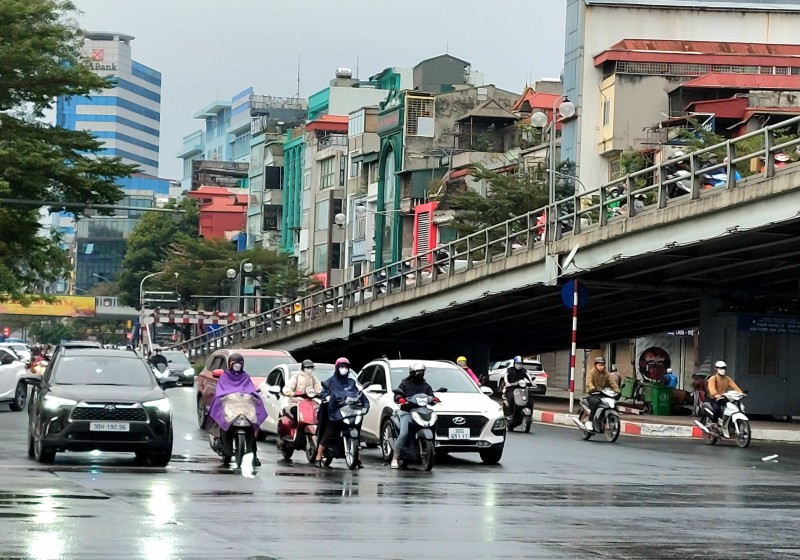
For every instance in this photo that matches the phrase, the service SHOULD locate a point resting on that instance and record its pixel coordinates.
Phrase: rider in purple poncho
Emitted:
(235, 380)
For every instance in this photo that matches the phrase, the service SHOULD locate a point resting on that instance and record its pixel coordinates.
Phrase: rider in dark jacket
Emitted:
(414, 384)
(514, 375)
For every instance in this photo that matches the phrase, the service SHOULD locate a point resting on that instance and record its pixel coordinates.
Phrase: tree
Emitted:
(40, 60)
(52, 331)
(149, 243)
(104, 289)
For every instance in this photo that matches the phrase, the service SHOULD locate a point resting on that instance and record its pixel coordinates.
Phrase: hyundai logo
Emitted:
(110, 408)
(459, 420)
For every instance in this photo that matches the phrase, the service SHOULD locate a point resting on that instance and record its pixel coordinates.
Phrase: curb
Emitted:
(647, 429)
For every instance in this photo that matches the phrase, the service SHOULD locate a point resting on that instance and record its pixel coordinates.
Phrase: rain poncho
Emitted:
(231, 382)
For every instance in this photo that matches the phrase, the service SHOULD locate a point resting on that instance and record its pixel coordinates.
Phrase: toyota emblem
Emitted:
(459, 420)
(110, 408)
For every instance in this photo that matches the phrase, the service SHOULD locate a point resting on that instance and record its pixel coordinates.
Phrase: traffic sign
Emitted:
(567, 295)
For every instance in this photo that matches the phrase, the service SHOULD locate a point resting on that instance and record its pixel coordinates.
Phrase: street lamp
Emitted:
(101, 277)
(141, 288)
(231, 273)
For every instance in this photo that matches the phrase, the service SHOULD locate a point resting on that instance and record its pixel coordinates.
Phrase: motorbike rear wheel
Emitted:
(286, 450)
(612, 427)
(709, 436)
(240, 444)
(351, 446)
(426, 454)
(585, 434)
(311, 448)
(743, 434)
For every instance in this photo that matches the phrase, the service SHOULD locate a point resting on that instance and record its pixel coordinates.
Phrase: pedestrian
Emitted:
(462, 363)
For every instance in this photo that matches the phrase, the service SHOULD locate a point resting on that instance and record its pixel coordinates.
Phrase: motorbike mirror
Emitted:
(217, 372)
(486, 390)
(274, 389)
(441, 390)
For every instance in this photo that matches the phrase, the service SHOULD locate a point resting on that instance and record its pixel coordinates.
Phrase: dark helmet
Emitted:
(235, 358)
(307, 364)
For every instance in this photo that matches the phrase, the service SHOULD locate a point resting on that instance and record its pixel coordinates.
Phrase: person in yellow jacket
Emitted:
(718, 385)
(596, 380)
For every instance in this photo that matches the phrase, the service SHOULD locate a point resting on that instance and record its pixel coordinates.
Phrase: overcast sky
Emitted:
(211, 49)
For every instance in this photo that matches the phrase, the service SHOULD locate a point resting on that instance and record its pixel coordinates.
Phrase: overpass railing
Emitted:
(670, 182)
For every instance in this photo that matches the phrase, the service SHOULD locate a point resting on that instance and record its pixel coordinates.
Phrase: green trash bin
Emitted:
(647, 391)
(661, 399)
(628, 385)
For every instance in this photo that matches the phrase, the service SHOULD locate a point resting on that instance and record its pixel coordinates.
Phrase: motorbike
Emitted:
(421, 444)
(240, 410)
(349, 440)
(300, 433)
(606, 419)
(681, 187)
(735, 425)
(520, 411)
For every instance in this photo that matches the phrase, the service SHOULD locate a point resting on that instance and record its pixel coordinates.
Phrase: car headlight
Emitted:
(161, 404)
(51, 402)
(499, 424)
(188, 371)
(417, 417)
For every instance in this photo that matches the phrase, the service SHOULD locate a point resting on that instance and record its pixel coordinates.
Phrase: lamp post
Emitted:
(231, 273)
(101, 277)
(360, 211)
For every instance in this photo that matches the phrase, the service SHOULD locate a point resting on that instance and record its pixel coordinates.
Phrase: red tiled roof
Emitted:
(744, 81)
(206, 191)
(223, 205)
(329, 123)
(536, 100)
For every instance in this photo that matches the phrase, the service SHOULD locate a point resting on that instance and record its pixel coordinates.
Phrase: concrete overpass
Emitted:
(727, 249)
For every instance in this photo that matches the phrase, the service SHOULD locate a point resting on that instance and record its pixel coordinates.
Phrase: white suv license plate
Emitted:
(458, 433)
(109, 427)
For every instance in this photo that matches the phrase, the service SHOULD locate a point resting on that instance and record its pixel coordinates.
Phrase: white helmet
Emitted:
(720, 364)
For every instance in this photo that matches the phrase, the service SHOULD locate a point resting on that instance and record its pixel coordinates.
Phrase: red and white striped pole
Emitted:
(574, 349)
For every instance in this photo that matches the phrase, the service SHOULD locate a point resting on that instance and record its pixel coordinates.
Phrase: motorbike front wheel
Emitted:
(387, 440)
(426, 454)
(526, 424)
(286, 449)
(311, 448)
(351, 452)
(240, 446)
(743, 433)
(612, 427)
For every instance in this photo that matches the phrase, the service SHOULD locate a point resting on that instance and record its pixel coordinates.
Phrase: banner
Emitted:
(61, 306)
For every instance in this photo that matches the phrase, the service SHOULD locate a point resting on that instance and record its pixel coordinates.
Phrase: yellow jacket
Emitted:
(596, 381)
(719, 384)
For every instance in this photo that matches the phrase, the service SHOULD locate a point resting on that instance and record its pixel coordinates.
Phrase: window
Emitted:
(321, 258)
(336, 255)
(762, 355)
(342, 170)
(365, 377)
(418, 108)
(380, 377)
(354, 168)
(355, 125)
(360, 228)
(275, 378)
(327, 173)
(607, 112)
(322, 216)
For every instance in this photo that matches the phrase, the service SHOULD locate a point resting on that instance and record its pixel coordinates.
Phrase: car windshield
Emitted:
(323, 371)
(454, 379)
(532, 366)
(177, 358)
(101, 370)
(260, 366)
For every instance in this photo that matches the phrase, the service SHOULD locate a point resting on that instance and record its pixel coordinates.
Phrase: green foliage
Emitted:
(485, 140)
(52, 332)
(39, 61)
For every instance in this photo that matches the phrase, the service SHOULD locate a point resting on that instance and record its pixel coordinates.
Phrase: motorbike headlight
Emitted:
(425, 423)
(499, 424)
(741, 406)
(52, 402)
(161, 404)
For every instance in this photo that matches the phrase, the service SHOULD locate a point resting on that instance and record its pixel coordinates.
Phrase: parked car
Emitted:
(539, 377)
(21, 350)
(257, 363)
(272, 390)
(469, 421)
(13, 390)
(99, 399)
(179, 367)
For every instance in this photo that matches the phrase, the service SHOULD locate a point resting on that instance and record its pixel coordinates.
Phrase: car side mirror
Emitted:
(217, 373)
(486, 390)
(375, 388)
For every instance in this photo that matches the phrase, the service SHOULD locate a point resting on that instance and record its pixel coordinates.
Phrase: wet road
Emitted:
(552, 497)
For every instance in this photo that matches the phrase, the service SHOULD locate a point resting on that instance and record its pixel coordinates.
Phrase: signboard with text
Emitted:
(770, 324)
(62, 306)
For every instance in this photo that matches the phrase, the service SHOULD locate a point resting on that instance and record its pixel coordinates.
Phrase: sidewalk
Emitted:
(554, 409)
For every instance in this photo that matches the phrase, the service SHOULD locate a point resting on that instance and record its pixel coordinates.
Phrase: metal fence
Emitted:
(671, 182)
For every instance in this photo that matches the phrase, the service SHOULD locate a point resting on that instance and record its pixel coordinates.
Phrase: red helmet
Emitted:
(342, 362)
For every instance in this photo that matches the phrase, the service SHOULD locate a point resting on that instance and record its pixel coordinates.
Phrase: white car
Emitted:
(497, 372)
(13, 390)
(469, 421)
(19, 350)
(272, 391)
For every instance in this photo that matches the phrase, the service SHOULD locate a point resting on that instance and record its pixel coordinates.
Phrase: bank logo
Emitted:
(97, 54)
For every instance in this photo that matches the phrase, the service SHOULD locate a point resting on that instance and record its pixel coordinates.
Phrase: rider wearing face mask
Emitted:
(514, 374)
(338, 387)
(718, 385)
(414, 384)
(297, 385)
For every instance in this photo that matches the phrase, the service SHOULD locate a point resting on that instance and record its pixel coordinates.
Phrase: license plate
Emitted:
(458, 433)
(109, 427)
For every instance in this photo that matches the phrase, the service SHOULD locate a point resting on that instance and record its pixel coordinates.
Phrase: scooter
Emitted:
(300, 433)
(735, 425)
(606, 419)
(421, 444)
(240, 438)
(520, 412)
(681, 187)
(349, 441)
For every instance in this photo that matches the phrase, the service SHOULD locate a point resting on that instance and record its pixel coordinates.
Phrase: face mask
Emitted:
(309, 370)
(343, 371)
(237, 367)
(721, 371)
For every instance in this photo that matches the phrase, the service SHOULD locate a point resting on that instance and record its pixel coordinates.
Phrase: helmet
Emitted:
(235, 358)
(600, 360)
(678, 154)
(720, 365)
(461, 359)
(517, 359)
(307, 364)
(417, 369)
(342, 362)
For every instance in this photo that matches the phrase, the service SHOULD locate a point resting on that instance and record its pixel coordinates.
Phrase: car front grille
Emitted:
(106, 413)
(474, 422)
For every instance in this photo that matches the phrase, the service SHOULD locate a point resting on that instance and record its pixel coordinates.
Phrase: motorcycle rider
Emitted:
(235, 380)
(296, 387)
(462, 363)
(718, 385)
(514, 374)
(596, 380)
(414, 384)
(338, 387)
(158, 358)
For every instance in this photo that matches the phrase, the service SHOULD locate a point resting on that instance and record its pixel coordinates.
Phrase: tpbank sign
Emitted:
(98, 62)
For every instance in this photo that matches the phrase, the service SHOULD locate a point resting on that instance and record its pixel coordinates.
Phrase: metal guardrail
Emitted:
(658, 186)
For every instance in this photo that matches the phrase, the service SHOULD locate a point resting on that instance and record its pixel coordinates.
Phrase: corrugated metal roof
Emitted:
(744, 81)
(739, 5)
(706, 47)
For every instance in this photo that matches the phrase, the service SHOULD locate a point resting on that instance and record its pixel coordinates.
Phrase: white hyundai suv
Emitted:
(469, 421)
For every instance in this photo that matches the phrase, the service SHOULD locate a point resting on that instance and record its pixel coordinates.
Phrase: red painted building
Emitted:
(222, 212)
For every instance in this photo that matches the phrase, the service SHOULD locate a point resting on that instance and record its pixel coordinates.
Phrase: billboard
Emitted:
(61, 306)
